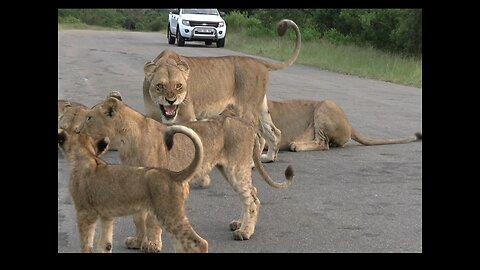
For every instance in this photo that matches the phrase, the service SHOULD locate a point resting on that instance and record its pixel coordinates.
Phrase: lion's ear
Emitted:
(110, 106)
(183, 66)
(115, 94)
(63, 105)
(102, 146)
(149, 69)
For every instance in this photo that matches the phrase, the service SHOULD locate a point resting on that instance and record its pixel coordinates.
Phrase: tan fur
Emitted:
(309, 125)
(200, 87)
(229, 145)
(104, 191)
(71, 115)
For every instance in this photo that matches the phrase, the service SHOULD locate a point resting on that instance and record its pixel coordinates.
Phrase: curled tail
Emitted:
(369, 141)
(289, 174)
(281, 30)
(191, 170)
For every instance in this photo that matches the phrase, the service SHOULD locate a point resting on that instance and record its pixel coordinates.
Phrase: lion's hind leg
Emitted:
(269, 132)
(183, 236)
(153, 242)
(313, 139)
(299, 146)
(140, 221)
(241, 180)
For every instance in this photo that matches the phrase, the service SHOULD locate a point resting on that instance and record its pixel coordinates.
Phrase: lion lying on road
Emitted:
(309, 125)
(104, 191)
(229, 145)
(178, 88)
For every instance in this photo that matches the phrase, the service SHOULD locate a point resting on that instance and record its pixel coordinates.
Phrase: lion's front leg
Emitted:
(86, 222)
(251, 208)
(105, 241)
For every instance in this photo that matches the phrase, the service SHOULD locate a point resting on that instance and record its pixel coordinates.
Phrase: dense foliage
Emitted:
(391, 30)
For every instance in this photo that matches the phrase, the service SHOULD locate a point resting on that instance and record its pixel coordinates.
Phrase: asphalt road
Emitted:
(352, 199)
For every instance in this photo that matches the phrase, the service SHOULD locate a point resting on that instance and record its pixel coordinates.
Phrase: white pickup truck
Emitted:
(196, 24)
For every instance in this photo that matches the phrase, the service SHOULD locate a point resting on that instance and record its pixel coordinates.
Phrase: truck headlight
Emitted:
(186, 22)
(221, 24)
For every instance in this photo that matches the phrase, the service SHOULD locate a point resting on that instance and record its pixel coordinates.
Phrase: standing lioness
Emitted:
(229, 145)
(104, 191)
(309, 125)
(179, 88)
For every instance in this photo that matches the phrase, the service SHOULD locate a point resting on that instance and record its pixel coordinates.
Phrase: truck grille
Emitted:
(196, 23)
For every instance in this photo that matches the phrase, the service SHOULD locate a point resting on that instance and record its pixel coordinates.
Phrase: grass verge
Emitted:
(353, 60)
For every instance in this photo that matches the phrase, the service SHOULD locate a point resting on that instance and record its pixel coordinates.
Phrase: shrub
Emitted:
(68, 19)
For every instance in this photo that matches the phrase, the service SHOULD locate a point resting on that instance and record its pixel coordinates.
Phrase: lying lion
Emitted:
(229, 145)
(104, 191)
(309, 125)
(179, 88)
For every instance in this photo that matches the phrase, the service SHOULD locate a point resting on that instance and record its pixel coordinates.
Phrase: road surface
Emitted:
(352, 199)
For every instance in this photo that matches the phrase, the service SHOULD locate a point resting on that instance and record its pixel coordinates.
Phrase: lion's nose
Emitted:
(170, 95)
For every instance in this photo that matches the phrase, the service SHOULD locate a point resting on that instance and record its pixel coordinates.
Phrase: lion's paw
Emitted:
(132, 242)
(293, 147)
(152, 247)
(267, 159)
(241, 235)
(202, 182)
(235, 225)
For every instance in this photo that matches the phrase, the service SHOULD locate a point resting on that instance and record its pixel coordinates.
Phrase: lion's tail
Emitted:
(369, 141)
(289, 174)
(281, 30)
(194, 166)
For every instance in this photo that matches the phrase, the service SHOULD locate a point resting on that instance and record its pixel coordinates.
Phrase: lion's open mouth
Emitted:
(169, 111)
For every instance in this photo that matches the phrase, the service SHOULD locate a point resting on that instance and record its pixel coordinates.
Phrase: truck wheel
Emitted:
(171, 40)
(221, 43)
(180, 39)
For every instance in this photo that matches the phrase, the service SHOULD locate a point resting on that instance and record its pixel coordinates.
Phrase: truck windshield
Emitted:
(211, 11)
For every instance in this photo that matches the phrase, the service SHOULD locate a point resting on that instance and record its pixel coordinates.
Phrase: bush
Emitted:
(335, 37)
(240, 21)
(68, 19)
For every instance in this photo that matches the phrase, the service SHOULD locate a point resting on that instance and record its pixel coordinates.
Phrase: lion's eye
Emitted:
(179, 86)
(159, 86)
(88, 118)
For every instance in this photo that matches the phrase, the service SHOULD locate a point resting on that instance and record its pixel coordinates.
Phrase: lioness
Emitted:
(179, 88)
(309, 125)
(104, 191)
(229, 145)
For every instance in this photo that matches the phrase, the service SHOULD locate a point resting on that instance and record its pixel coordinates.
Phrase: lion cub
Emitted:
(229, 145)
(71, 114)
(104, 191)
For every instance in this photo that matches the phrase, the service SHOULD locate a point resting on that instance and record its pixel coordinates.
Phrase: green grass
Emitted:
(353, 60)
(359, 61)
(83, 26)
